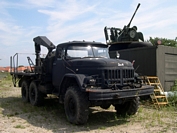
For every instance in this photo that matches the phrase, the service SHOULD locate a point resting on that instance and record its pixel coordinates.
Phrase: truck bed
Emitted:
(22, 74)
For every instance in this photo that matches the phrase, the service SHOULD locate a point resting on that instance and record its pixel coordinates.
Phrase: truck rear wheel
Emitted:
(35, 96)
(76, 106)
(25, 91)
(128, 108)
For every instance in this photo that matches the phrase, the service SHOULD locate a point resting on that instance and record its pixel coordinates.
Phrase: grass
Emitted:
(5, 80)
(52, 114)
(151, 117)
(148, 117)
(19, 126)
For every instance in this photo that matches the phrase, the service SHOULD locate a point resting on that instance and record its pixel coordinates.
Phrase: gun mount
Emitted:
(127, 34)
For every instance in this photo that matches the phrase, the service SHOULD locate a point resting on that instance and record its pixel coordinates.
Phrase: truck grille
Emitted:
(118, 77)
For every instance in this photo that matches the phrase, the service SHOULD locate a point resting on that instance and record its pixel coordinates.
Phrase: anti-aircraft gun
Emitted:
(126, 38)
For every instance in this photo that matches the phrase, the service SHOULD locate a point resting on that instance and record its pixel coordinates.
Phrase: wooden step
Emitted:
(156, 90)
(161, 103)
(157, 96)
(159, 90)
(154, 83)
(160, 96)
(151, 77)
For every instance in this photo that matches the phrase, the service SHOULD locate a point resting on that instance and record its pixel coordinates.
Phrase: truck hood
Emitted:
(99, 62)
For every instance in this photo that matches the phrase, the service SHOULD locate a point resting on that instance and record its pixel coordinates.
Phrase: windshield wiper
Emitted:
(101, 57)
(88, 57)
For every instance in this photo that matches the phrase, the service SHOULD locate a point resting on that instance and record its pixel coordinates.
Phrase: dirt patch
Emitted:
(19, 117)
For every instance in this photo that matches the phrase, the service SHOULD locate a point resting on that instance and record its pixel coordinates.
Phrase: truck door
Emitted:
(58, 67)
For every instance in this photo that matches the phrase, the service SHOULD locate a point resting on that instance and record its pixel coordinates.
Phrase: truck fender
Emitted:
(79, 78)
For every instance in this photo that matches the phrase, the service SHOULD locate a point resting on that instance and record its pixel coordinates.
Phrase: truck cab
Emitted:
(91, 61)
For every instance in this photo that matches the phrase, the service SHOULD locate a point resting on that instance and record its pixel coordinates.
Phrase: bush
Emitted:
(173, 98)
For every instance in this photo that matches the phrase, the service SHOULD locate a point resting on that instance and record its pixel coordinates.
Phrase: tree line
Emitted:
(163, 41)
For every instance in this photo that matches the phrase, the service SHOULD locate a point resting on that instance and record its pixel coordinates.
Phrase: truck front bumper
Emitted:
(109, 94)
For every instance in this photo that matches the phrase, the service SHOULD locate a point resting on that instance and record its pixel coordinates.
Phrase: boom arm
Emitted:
(44, 41)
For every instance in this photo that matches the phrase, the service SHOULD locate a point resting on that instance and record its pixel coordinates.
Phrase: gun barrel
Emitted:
(133, 15)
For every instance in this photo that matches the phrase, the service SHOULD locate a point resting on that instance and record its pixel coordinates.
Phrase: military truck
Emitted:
(82, 75)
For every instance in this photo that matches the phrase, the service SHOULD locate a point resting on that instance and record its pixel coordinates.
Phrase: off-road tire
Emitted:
(76, 105)
(35, 96)
(128, 108)
(25, 91)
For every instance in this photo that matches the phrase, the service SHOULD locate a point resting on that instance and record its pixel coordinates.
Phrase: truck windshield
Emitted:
(87, 52)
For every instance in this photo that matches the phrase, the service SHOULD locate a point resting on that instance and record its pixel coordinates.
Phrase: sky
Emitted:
(68, 20)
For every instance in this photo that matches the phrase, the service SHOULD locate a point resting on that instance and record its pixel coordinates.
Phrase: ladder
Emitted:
(31, 64)
(158, 97)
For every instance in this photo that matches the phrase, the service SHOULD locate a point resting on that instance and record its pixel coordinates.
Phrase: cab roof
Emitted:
(81, 43)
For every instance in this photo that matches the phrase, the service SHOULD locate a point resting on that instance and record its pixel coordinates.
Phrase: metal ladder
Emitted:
(158, 97)
(31, 64)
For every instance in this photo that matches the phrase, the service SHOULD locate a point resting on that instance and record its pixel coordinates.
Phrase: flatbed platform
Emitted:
(22, 73)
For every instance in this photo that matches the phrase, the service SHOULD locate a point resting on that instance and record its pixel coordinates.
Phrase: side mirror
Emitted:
(133, 62)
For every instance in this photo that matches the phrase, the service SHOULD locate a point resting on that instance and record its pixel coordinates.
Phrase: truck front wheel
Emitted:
(128, 108)
(76, 105)
(35, 96)
(25, 91)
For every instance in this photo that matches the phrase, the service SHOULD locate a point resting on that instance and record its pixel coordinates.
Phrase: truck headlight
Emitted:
(92, 81)
(89, 81)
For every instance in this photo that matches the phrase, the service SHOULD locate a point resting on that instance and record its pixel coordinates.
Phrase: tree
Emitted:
(165, 41)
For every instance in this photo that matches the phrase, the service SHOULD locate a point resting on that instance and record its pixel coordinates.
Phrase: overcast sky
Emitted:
(68, 20)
